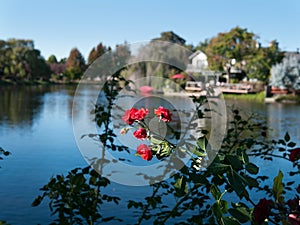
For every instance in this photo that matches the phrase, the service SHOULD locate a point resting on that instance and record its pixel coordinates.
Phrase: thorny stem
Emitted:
(268, 154)
(147, 206)
(185, 197)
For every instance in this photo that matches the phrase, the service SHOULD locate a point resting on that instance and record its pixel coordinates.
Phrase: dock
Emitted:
(237, 88)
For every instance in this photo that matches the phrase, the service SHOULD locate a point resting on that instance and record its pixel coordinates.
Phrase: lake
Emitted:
(36, 127)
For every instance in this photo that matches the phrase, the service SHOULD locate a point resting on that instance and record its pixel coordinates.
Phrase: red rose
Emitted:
(134, 114)
(145, 152)
(140, 114)
(163, 114)
(129, 116)
(262, 210)
(294, 155)
(140, 133)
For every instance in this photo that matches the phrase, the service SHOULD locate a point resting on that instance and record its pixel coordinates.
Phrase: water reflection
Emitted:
(279, 118)
(283, 118)
(21, 105)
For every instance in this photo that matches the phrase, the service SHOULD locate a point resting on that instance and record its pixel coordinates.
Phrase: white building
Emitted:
(198, 62)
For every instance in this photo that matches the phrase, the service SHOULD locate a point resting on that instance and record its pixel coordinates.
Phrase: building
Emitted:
(198, 62)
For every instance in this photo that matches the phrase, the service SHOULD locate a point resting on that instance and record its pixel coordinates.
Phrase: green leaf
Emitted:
(291, 144)
(155, 140)
(224, 206)
(278, 187)
(216, 210)
(215, 191)
(202, 143)
(234, 161)
(181, 186)
(237, 183)
(240, 213)
(287, 137)
(198, 178)
(218, 168)
(252, 168)
(37, 201)
(229, 221)
(251, 181)
(198, 153)
(164, 151)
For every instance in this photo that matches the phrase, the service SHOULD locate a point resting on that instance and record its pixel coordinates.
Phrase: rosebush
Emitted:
(230, 191)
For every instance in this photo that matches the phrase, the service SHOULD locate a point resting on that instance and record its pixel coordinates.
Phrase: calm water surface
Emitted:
(36, 127)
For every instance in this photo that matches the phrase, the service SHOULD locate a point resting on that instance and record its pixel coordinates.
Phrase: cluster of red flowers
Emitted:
(137, 115)
(134, 114)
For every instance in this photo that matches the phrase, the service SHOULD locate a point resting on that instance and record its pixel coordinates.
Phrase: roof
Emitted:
(195, 54)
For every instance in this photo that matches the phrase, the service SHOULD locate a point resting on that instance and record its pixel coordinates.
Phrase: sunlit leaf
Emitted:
(278, 187)
(215, 191)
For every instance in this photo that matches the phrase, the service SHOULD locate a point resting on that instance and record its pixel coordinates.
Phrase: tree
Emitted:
(19, 60)
(259, 65)
(57, 68)
(170, 36)
(96, 53)
(242, 46)
(236, 44)
(52, 59)
(75, 65)
(37, 66)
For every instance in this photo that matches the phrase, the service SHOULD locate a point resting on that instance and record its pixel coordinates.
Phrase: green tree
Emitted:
(242, 45)
(236, 44)
(52, 59)
(260, 63)
(37, 66)
(75, 65)
(20, 61)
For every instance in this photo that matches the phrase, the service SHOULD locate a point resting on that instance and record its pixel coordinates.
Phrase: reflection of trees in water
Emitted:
(20, 105)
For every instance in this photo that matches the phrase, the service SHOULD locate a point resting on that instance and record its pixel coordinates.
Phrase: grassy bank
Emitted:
(259, 97)
(288, 99)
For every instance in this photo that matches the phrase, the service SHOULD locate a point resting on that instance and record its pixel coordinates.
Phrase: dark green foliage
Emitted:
(77, 198)
(20, 61)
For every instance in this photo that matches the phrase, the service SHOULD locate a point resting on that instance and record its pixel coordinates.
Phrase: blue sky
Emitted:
(57, 26)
